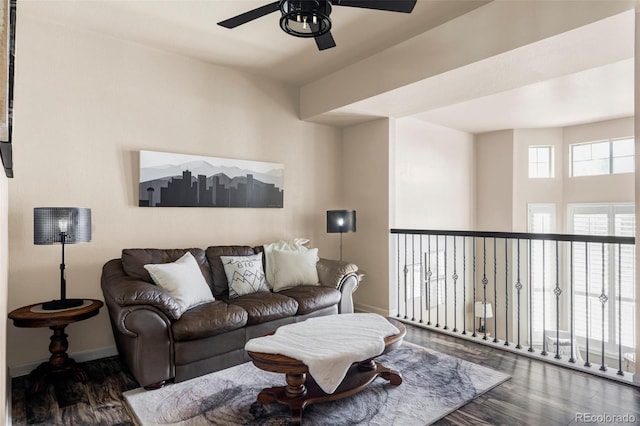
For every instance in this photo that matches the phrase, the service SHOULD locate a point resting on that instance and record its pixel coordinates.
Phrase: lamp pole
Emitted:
(63, 284)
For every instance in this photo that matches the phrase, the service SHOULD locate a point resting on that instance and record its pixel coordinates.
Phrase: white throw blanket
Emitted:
(328, 345)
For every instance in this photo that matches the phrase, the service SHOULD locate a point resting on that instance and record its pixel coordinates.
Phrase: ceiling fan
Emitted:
(311, 18)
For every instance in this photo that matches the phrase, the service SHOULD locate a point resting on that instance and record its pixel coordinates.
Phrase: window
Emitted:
(542, 219)
(540, 161)
(604, 269)
(602, 158)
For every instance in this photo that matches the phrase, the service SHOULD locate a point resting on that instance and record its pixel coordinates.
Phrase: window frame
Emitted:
(610, 159)
(550, 168)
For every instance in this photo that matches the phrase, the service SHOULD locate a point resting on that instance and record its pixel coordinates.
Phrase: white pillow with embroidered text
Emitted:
(245, 274)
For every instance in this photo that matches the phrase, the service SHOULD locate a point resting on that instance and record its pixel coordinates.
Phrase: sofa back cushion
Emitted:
(133, 261)
(213, 253)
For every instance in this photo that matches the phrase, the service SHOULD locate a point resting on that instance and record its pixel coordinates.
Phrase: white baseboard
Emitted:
(24, 369)
(359, 307)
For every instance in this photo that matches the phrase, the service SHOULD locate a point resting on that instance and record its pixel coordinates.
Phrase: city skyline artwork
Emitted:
(183, 180)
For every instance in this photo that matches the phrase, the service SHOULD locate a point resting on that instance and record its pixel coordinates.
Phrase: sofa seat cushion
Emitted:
(311, 298)
(207, 320)
(263, 307)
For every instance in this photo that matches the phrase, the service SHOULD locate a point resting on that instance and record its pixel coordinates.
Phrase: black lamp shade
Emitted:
(50, 223)
(341, 221)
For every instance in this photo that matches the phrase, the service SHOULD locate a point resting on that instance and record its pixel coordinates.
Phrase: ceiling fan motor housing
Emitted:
(305, 18)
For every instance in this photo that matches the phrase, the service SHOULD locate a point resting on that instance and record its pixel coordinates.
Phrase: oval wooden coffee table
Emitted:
(301, 390)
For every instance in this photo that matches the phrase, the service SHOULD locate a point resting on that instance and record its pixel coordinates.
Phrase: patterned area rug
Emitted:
(433, 386)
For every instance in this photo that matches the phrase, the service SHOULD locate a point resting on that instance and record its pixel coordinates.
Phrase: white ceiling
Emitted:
(261, 47)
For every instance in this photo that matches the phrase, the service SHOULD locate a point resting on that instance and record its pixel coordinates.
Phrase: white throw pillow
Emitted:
(293, 268)
(245, 274)
(297, 244)
(183, 280)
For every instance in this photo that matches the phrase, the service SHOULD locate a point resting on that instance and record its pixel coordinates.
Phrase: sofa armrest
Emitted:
(144, 340)
(341, 275)
(124, 290)
(141, 315)
(334, 273)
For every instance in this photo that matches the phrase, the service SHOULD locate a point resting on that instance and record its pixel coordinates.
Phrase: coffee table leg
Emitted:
(392, 376)
(292, 395)
(389, 375)
(295, 385)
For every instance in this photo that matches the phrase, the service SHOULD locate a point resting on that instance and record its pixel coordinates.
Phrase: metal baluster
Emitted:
(571, 358)
(455, 290)
(557, 291)
(603, 300)
(437, 281)
(406, 272)
(518, 288)
(544, 302)
(422, 281)
(484, 285)
(530, 305)
(398, 269)
(429, 279)
(495, 292)
(413, 277)
(446, 303)
(473, 239)
(464, 285)
(586, 285)
(620, 372)
(506, 294)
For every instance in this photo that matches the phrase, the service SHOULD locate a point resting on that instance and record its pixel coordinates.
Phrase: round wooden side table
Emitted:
(57, 320)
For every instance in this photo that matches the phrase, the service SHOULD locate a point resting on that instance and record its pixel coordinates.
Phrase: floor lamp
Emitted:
(481, 310)
(61, 225)
(341, 221)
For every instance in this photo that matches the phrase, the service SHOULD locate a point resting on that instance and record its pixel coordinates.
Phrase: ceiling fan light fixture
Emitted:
(305, 18)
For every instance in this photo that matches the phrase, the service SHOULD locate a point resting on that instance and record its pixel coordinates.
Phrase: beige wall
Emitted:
(4, 255)
(495, 198)
(494, 181)
(84, 107)
(434, 179)
(366, 189)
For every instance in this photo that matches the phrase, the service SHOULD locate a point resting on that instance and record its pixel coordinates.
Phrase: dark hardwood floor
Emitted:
(537, 394)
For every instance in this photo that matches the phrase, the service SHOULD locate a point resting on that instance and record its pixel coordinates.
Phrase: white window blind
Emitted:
(604, 270)
(542, 219)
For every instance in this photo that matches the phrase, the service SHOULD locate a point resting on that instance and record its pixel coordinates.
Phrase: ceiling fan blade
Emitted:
(325, 41)
(405, 6)
(250, 15)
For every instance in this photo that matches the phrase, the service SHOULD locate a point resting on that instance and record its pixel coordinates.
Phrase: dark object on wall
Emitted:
(181, 180)
(310, 18)
(8, 40)
(61, 225)
(341, 221)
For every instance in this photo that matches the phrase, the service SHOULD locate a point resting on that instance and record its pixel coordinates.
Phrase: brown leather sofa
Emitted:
(158, 345)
